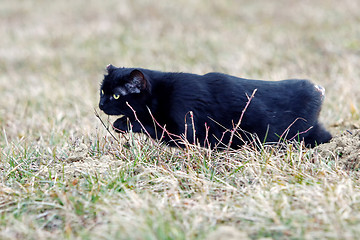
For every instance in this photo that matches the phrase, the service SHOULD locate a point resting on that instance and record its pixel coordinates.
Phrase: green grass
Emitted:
(63, 176)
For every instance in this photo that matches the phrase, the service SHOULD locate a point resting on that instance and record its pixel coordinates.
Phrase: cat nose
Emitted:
(101, 105)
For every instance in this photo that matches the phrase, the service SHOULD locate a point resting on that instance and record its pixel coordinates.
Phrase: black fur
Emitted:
(288, 108)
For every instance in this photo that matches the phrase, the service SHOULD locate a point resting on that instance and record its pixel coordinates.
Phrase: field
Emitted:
(63, 175)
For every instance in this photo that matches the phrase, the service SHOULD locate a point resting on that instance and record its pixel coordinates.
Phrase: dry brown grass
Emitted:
(63, 176)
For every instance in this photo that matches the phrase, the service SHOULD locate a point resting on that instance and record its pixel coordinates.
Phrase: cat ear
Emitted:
(110, 68)
(137, 82)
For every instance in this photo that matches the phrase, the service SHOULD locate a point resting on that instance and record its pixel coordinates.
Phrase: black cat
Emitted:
(206, 108)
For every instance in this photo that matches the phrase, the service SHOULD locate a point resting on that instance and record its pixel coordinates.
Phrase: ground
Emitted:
(63, 175)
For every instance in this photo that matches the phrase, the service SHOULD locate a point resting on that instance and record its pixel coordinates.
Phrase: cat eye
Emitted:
(116, 96)
(102, 92)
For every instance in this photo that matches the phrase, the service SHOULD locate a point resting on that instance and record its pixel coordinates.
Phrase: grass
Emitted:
(63, 176)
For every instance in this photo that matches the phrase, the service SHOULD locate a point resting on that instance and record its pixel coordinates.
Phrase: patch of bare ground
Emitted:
(343, 149)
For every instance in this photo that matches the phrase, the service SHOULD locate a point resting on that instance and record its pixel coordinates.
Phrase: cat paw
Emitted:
(121, 125)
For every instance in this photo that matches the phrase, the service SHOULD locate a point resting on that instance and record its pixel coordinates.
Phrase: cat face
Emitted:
(119, 86)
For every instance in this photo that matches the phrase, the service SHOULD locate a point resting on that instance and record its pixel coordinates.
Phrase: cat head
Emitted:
(122, 85)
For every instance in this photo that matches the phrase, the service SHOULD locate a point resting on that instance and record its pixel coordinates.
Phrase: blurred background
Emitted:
(53, 53)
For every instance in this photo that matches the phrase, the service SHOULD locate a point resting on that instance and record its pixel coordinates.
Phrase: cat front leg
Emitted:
(148, 129)
(124, 124)
(121, 125)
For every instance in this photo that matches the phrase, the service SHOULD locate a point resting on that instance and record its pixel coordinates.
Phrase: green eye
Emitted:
(116, 96)
(102, 92)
